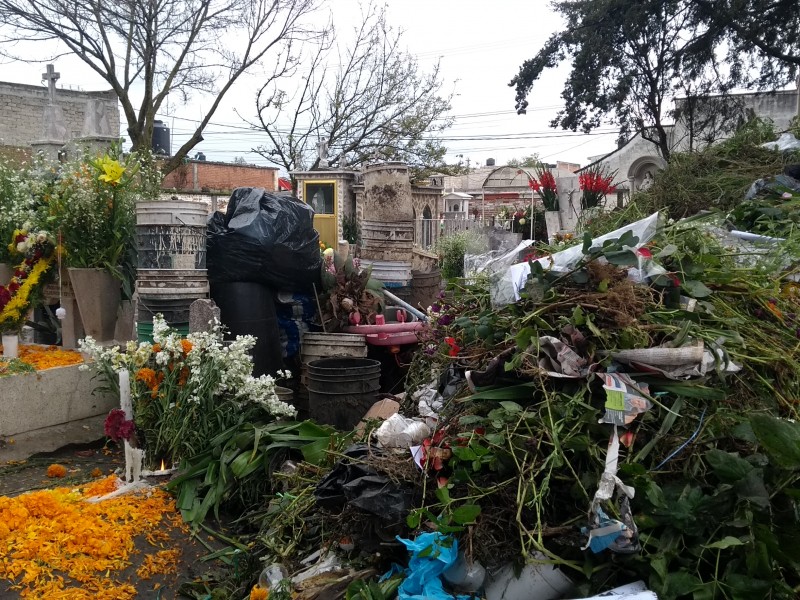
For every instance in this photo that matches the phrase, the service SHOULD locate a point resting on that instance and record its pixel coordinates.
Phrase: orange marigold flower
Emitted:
(56, 470)
(156, 347)
(147, 376)
(259, 593)
(187, 346)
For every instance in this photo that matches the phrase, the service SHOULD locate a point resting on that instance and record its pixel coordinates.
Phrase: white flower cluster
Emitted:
(216, 369)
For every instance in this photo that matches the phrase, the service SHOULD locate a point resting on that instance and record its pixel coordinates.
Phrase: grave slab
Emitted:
(52, 398)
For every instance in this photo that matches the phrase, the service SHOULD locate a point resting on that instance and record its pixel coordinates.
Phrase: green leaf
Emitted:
(464, 453)
(680, 583)
(728, 467)
(413, 519)
(443, 495)
(724, 543)
(667, 250)
(513, 392)
(511, 407)
(746, 588)
(374, 285)
(622, 258)
(780, 438)
(578, 318)
(466, 514)
(696, 289)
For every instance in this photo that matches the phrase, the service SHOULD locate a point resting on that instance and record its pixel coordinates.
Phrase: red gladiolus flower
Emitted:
(547, 181)
(533, 184)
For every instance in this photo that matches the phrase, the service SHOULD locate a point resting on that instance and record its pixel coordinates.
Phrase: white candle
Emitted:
(125, 393)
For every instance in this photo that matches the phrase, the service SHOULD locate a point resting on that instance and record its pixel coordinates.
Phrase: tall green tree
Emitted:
(627, 58)
(761, 38)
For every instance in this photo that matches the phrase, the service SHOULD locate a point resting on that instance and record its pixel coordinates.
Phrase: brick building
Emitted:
(23, 107)
(206, 176)
(212, 182)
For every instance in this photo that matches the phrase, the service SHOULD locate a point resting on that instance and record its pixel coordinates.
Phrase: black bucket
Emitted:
(249, 309)
(342, 390)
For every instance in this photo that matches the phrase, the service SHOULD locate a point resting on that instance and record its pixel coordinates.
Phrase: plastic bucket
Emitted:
(425, 288)
(172, 282)
(314, 346)
(248, 308)
(183, 213)
(171, 247)
(393, 274)
(144, 330)
(174, 310)
(285, 394)
(342, 390)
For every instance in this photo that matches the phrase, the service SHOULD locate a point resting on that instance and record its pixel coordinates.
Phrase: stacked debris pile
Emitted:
(620, 410)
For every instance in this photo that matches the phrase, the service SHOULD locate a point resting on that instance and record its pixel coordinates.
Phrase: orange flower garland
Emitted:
(57, 546)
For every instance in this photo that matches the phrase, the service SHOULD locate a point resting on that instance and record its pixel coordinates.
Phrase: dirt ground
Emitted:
(18, 477)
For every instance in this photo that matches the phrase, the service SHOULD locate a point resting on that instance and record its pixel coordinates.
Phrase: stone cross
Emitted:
(51, 77)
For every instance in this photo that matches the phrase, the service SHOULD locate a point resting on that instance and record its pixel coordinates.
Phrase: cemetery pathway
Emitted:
(85, 463)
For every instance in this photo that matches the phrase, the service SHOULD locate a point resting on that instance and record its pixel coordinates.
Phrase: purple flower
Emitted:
(445, 320)
(436, 307)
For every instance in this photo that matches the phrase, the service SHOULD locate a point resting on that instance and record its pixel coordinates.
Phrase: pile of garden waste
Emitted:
(623, 410)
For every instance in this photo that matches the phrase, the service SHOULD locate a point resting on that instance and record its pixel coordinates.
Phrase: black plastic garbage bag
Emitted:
(264, 238)
(352, 484)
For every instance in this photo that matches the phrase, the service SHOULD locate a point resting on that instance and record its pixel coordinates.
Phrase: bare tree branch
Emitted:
(146, 50)
(376, 103)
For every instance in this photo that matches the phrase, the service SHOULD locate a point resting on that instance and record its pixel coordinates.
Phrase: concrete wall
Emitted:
(206, 176)
(23, 107)
(49, 398)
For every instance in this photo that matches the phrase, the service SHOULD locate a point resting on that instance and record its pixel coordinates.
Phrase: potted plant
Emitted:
(92, 209)
(37, 253)
(545, 185)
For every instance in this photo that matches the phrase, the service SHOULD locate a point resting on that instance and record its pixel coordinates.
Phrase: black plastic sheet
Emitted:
(264, 238)
(356, 485)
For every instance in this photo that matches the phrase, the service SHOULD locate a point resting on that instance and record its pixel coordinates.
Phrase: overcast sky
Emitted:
(480, 45)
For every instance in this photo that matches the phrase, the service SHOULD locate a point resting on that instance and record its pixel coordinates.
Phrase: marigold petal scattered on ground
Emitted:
(57, 546)
(56, 471)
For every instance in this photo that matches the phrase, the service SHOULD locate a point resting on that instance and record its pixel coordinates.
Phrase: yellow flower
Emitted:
(112, 170)
(259, 593)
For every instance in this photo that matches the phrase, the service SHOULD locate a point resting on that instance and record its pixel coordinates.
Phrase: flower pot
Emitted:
(6, 273)
(98, 295)
(10, 345)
